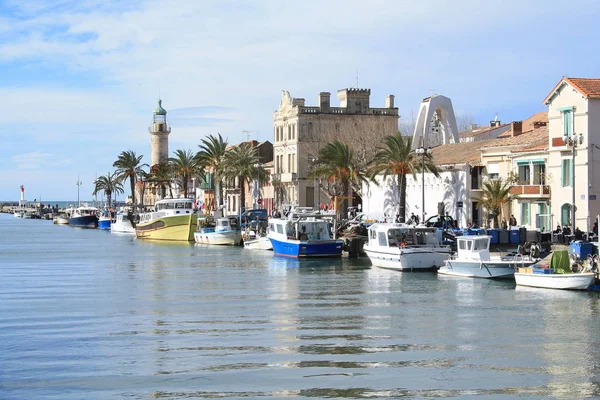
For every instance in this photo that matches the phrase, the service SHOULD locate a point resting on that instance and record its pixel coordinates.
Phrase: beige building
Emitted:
(300, 131)
(574, 111)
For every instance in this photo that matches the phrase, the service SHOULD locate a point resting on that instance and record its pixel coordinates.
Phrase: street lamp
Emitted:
(573, 142)
(422, 151)
(78, 183)
(194, 187)
(316, 188)
(256, 194)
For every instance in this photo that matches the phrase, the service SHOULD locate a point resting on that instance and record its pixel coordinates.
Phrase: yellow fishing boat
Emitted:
(171, 219)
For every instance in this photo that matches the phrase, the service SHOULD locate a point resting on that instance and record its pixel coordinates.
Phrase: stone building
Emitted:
(300, 131)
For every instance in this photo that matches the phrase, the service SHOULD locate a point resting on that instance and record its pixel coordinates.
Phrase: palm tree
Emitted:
(397, 158)
(185, 166)
(495, 194)
(129, 166)
(242, 162)
(211, 155)
(108, 184)
(337, 164)
(161, 175)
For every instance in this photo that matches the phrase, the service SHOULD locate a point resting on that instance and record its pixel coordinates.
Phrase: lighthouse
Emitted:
(22, 200)
(159, 133)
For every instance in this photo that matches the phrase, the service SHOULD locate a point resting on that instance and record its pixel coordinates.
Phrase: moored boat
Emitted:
(222, 231)
(303, 235)
(61, 219)
(405, 247)
(122, 224)
(255, 236)
(559, 275)
(84, 217)
(473, 260)
(171, 219)
(104, 219)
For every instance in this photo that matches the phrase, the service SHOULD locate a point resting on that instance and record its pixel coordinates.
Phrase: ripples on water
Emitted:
(89, 315)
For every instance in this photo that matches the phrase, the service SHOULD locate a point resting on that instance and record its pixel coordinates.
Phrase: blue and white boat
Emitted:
(105, 219)
(303, 235)
(84, 217)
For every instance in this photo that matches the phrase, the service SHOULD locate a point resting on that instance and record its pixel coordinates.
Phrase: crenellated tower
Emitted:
(159, 135)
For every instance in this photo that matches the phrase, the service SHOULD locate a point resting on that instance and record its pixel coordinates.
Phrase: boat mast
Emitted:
(78, 183)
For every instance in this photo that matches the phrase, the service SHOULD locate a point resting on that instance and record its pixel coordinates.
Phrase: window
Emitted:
(539, 173)
(525, 214)
(493, 170)
(524, 176)
(565, 172)
(279, 229)
(382, 239)
(462, 245)
(568, 122)
(565, 214)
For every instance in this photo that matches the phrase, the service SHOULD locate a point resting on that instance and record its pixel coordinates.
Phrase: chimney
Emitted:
(495, 123)
(538, 124)
(389, 101)
(473, 127)
(324, 101)
(516, 127)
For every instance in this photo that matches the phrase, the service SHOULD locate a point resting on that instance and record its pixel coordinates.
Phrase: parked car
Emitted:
(365, 219)
(440, 221)
(253, 215)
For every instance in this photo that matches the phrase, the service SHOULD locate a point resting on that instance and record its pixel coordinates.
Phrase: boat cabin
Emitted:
(227, 224)
(399, 235)
(308, 228)
(473, 247)
(179, 206)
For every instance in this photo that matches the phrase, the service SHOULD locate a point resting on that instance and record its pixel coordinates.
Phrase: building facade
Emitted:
(300, 131)
(574, 112)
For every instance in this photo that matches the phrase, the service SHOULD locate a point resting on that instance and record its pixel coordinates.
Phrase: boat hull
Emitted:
(408, 260)
(104, 224)
(84, 221)
(230, 238)
(261, 243)
(578, 281)
(300, 249)
(178, 228)
(484, 269)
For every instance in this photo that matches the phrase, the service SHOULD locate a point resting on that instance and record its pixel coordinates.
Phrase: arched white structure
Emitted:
(441, 108)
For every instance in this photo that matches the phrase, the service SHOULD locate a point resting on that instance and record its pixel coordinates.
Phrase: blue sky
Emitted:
(79, 79)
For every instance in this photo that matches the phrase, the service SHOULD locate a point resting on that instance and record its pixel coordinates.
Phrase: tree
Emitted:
(185, 166)
(242, 162)
(161, 175)
(211, 156)
(397, 158)
(129, 166)
(108, 184)
(495, 193)
(337, 164)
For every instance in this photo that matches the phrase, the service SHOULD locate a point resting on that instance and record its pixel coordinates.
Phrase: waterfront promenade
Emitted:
(94, 315)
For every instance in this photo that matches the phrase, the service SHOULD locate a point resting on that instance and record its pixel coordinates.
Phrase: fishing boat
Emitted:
(122, 224)
(255, 236)
(559, 275)
(406, 247)
(171, 219)
(473, 260)
(105, 219)
(84, 217)
(222, 231)
(303, 234)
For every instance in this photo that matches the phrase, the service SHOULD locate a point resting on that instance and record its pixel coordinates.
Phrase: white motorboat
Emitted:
(561, 275)
(61, 219)
(550, 280)
(122, 224)
(255, 236)
(223, 231)
(473, 260)
(405, 247)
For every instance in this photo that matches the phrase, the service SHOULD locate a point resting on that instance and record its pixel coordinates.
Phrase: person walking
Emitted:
(512, 221)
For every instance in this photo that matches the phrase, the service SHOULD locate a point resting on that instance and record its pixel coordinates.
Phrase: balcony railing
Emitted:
(531, 190)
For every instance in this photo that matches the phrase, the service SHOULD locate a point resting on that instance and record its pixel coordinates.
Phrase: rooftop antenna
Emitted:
(357, 78)
(432, 91)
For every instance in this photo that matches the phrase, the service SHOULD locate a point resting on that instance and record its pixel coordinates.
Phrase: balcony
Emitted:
(541, 191)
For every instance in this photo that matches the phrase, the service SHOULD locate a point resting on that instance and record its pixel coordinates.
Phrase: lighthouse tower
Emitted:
(159, 133)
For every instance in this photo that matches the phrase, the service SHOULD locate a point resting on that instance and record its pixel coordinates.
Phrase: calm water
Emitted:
(85, 314)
